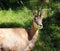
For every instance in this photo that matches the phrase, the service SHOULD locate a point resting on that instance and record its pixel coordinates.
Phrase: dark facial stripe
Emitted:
(36, 22)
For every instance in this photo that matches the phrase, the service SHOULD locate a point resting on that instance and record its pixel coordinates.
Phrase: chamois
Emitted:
(21, 39)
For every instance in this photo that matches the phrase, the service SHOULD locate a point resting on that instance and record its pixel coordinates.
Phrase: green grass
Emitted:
(49, 36)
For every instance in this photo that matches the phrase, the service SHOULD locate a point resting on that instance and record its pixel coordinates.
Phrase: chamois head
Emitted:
(38, 18)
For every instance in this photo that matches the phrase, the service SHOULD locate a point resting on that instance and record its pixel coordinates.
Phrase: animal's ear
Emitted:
(42, 13)
(39, 12)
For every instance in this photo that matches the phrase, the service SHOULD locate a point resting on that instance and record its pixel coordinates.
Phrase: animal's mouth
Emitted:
(40, 26)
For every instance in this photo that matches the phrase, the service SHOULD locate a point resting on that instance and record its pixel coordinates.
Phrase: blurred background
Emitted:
(18, 13)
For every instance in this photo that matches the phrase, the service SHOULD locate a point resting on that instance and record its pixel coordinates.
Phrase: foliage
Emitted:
(15, 18)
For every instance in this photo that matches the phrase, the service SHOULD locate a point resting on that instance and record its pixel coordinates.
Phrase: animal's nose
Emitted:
(40, 26)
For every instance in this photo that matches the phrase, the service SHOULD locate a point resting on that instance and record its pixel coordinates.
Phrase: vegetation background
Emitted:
(18, 13)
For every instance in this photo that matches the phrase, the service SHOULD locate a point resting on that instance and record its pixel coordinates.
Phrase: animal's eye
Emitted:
(36, 18)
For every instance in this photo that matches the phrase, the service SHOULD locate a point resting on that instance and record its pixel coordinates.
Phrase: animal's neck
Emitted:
(33, 34)
(33, 30)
